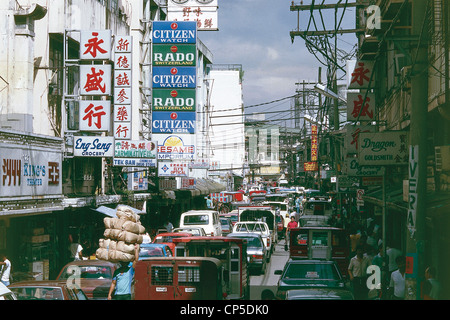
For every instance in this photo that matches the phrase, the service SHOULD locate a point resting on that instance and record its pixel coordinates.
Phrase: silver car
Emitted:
(256, 250)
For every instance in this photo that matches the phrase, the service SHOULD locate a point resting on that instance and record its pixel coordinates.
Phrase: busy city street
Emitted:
(223, 150)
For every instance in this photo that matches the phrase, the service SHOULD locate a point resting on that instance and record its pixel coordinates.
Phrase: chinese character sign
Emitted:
(360, 76)
(359, 109)
(95, 80)
(203, 12)
(95, 45)
(314, 143)
(352, 135)
(95, 115)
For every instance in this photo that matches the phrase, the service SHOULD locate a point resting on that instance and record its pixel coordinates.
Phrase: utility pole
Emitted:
(418, 153)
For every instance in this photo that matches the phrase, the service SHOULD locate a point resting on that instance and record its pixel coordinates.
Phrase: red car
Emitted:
(167, 237)
(95, 276)
(46, 290)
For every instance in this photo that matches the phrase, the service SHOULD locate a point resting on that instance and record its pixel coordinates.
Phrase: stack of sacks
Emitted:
(121, 236)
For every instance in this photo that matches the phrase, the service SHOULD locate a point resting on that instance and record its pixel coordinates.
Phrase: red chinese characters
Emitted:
(95, 115)
(95, 80)
(95, 45)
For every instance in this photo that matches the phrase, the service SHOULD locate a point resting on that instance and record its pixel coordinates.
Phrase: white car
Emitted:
(6, 294)
(206, 219)
(256, 227)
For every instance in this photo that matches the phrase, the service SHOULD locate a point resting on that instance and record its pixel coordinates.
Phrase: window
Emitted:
(162, 275)
(196, 219)
(188, 276)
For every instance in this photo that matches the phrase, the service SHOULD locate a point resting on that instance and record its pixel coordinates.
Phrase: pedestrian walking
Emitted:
(5, 272)
(431, 286)
(168, 225)
(392, 254)
(357, 271)
(397, 283)
(122, 280)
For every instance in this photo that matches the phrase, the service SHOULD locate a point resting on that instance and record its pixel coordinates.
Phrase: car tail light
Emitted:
(257, 256)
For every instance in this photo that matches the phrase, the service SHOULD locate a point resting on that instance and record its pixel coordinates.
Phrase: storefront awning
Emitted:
(206, 186)
(394, 198)
(112, 212)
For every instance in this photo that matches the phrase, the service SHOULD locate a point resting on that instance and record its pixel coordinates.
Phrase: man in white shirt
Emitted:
(5, 270)
(397, 284)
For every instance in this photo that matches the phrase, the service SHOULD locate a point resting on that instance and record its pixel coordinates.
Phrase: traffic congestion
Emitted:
(254, 244)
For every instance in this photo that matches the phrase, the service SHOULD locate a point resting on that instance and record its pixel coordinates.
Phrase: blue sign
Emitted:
(174, 77)
(173, 122)
(174, 32)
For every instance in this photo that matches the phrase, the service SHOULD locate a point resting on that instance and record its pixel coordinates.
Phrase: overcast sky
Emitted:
(255, 34)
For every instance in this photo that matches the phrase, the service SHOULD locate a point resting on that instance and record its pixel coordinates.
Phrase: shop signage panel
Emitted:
(359, 109)
(361, 74)
(175, 146)
(95, 45)
(172, 169)
(174, 77)
(203, 12)
(93, 146)
(95, 115)
(173, 100)
(383, 148)
(134, 162)
(173, 122)
(352, 168)
(134, 149)
(174, 55)
(29, 171)
(174, 32)
(122, 130)
(351, 137)
(95, 80)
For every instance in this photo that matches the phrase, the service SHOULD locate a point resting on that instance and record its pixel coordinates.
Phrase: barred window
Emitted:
(162, 275)
(188, 275)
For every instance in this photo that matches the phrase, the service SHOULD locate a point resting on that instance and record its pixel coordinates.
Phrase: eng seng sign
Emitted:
(383, 148)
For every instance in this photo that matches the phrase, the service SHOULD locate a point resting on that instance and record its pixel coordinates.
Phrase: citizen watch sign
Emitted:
(173, 122)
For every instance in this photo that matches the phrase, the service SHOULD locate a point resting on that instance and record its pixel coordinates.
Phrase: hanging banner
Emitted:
(173, 122)
(173, 100)
(174, 32)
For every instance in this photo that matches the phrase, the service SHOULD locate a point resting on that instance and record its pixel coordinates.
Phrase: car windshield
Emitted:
(194, 232)
(151, 252)
(251, 227)
(165, 239)
(38, 293)
(313, 271)
(87, 272)
(196, 219)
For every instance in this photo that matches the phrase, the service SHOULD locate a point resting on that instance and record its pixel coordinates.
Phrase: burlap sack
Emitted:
(133, 227)
(102, 254)
(125, 213)
(116, 256)
(125, 247)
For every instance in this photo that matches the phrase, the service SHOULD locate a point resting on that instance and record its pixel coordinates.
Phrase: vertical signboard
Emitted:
(174, 83)
(122, 87)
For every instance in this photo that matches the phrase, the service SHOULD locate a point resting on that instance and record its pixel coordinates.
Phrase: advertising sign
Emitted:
(311, 166)
(122, 130)
(383, 148)
(174, 77)
(95, 45)
(173, 100)
(359, 110)
(203, 12)
(95, 80)
(173, 122)
(352, 168)
(134, 149)
(175, 146)
(361, 74)
(175, 55)
(172, 169)
(351, 137)
(134, 162)
(95, 115)
(93, 146)
(174, 32)
(29, 171)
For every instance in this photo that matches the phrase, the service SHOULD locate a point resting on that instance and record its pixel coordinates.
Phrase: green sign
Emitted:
(174, 55)
(173, 100)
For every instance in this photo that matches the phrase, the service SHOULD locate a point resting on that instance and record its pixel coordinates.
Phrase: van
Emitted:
(206, 219)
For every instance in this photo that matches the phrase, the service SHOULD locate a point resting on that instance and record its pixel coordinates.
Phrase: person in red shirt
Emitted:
(290, 225)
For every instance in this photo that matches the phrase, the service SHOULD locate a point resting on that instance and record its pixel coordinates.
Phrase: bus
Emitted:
(232, 253)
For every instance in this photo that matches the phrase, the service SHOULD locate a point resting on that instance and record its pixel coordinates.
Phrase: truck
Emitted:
(264, 214)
